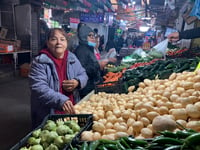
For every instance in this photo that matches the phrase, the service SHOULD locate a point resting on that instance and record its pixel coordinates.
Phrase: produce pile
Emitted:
(183, 52)
(118, 115)
(160, 69)
(54, 135)
(180, 140)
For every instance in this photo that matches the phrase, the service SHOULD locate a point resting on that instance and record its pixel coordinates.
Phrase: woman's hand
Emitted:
(68, 107)
(70, 85)
(103, 63)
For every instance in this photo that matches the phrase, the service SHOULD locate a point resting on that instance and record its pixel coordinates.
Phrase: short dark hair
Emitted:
(95, 30)
(52, 31)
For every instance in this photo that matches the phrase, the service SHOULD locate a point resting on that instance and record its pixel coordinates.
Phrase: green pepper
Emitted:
(84, 146)
(139, 148)
(120, 146)
(111, 146)
(93, 145)
(192, 140)
(135, 142)
(105, 141)
(102, 147)
(124, 143)
(167, 133)
(167, 140)
(183, 134)
(173, 147)
(154, 146)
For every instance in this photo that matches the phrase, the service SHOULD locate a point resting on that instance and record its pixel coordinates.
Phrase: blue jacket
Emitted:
(44, 85)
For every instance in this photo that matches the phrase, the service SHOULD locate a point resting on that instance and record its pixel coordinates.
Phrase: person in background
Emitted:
(85, 54)
(139, 41)
(55, 77)
(121, 42)
(101, 44)
(109, 57)
(96, 31)
(96, 48)
(187, 34)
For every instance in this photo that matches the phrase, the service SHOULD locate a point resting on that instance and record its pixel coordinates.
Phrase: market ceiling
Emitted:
(124, 8)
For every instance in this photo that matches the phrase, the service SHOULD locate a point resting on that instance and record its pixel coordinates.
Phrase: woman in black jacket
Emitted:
(85, 54)
(187, 34)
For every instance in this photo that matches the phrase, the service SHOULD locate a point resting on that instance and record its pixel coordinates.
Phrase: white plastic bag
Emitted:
(161, 47)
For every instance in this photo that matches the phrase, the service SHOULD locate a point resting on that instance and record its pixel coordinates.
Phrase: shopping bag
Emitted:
(161, 47)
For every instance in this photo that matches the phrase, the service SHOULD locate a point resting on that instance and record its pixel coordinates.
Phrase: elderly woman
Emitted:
(56, 76)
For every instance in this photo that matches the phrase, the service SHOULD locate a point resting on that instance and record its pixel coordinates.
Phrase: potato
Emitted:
(146, 133)
(180, 114)
(96, 136)
(98, 126)
(87, 136)
(195, 125)
(161, 123)
(109, 137)
(120, 134)
(151, 115)
(182, 122)
(192, 111)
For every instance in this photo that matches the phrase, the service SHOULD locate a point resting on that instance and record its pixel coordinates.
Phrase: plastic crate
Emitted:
(110, 87)
(85, 121)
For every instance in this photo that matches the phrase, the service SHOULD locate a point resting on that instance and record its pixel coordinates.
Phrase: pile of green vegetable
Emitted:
(186, 139)
(160, 69)
(54, 135)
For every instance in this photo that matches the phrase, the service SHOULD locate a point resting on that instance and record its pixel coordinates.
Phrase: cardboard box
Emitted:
(5, 48)
(15, 43)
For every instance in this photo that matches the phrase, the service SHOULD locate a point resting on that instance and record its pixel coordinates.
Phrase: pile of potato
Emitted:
(117, 115)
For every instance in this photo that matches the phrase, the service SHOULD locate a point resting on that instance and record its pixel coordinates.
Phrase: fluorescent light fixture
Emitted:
(143, 28)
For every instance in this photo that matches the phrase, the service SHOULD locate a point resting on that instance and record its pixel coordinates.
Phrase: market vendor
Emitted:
(187, 34)
(56, 76)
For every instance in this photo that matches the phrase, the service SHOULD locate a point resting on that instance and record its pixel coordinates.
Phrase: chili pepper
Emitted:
(111, 146)
(173, 147)
(192, 140)
(105, 141)
(84, 146)
(124, 143)
(167, 133)
(102, 147)
(120, 146)
(183, 134)
(139, 148)
(154, 146)
(167, 140)
(93, 145)
(135, 142)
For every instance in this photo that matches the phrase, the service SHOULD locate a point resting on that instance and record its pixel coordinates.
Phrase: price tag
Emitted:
(198, 67)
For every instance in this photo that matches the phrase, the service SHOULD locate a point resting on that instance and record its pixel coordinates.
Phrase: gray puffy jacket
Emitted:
(44, 85)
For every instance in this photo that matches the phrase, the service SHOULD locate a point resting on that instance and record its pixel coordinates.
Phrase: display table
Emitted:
(15, 57)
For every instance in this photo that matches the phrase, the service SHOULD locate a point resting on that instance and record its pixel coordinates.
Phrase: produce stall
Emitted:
(148, 103)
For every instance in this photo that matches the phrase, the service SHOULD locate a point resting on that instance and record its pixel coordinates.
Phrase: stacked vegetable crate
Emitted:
(48, 135)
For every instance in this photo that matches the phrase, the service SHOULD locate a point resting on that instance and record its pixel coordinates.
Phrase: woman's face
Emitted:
(57, 44)
(91, 37)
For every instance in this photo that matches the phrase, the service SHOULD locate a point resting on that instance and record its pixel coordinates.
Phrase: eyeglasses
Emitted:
(91, 35)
